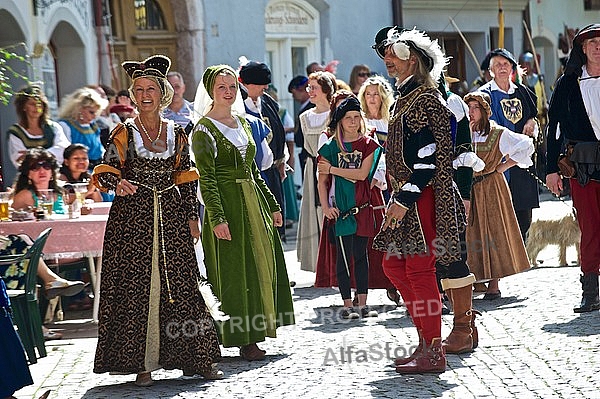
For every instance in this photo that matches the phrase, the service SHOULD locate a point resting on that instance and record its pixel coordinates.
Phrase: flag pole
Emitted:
(500, 25)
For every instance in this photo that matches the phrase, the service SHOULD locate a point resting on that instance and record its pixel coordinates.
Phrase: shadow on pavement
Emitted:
(193, 386)
(581, 325)
(312, 293)
(410, 386)
(75, 328)
(328, 319)
(505, 302)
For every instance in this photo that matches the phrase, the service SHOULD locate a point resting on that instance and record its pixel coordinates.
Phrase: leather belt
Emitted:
(354, 210)
(477, 179)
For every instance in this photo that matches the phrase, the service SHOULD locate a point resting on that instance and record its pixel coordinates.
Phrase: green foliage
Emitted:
(6, 71)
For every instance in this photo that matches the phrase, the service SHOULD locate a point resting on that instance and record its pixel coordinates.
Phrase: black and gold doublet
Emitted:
(419, 154)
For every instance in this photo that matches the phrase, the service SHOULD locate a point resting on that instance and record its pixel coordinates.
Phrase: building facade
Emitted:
(60, 42)
(72, 43)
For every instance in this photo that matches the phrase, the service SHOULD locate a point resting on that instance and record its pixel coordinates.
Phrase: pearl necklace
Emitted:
(146, 131)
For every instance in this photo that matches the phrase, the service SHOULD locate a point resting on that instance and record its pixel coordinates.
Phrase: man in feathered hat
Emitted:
(575, 107)
(425, 213)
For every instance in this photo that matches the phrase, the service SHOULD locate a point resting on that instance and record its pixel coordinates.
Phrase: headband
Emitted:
(211, 73)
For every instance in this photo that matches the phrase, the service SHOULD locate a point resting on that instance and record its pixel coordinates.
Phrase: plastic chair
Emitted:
(24, 303)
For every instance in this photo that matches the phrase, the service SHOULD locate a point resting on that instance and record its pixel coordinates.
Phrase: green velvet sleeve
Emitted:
(204, 154)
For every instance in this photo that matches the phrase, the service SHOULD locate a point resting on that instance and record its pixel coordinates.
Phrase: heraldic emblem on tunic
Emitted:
(350, 160)
(512, 109)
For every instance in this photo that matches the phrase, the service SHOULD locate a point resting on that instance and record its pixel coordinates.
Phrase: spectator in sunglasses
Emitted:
(359, 74)
(38, 171)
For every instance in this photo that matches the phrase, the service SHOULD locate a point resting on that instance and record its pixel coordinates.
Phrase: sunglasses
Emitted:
(364, 74)
(41, 164)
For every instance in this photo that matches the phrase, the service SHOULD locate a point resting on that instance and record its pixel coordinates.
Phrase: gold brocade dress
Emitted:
(494, 243)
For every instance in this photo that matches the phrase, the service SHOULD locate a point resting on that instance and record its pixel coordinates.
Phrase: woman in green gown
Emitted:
(243, 253)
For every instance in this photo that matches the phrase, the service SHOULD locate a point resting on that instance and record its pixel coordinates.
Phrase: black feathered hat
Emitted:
(381, 41)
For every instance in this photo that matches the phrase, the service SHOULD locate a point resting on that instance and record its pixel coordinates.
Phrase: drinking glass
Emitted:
(4, 205)
(70, 200)
(46, 200)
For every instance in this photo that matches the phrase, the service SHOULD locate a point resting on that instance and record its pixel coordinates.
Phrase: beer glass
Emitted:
(4, 205)
(46, 200)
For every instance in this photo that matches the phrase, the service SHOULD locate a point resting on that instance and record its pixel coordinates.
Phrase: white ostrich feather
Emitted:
(430, 47)
(212, 302)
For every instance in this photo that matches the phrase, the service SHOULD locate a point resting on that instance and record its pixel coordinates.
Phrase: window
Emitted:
(589, 5)
(148, 15)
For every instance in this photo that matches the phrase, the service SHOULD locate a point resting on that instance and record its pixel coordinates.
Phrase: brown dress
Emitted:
(494, 243)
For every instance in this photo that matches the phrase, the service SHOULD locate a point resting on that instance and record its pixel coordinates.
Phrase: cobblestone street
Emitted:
(531, 345)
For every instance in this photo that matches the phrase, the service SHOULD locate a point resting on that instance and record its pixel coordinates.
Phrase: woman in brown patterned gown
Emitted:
(152, 314)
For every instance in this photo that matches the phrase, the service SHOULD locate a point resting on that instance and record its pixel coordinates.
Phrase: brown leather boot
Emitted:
(430, 360)
(474, 332)
(460, 339)
(403, 360)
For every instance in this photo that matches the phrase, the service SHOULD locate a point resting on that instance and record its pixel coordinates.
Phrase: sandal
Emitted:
(252, 352)
(144, 380)
(61, 287)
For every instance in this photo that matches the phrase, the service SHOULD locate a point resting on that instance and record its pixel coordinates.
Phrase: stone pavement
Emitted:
(532, 345)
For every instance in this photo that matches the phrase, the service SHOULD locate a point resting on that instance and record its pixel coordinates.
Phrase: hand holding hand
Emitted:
(195, 230)
(529, 127)
(467, 204)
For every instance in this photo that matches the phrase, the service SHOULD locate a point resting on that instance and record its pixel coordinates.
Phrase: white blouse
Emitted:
(144, 152)
(518, 147)
(590, 87)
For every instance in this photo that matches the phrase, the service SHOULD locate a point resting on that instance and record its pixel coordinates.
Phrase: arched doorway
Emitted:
(546, 50)
(67, 51)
